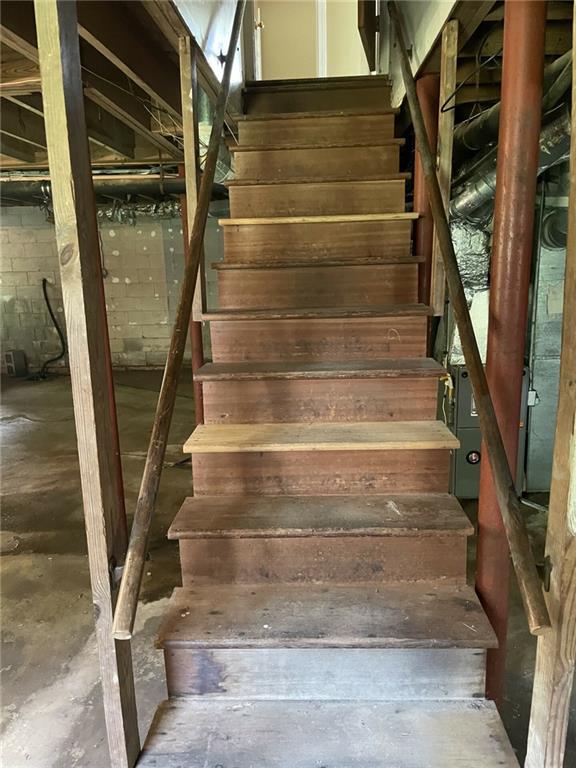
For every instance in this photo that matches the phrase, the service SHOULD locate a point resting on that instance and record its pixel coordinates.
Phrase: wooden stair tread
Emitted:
(418, 367)
(404, 615)
(359, 112)
(334, 436)
(338, 734)
(299, 516)
(374, 261)
(313, 180)
(319, 219)
(238, 148)
(318, 313)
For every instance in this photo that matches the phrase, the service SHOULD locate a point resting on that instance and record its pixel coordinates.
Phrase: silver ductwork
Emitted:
(474, 194)
(479, 131)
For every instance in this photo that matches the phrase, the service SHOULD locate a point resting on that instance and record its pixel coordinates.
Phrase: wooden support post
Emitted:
(556, 654)
(89, 353)
(448, 67)
(189, 90)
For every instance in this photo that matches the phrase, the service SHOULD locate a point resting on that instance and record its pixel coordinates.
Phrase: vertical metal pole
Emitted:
(523, 63)
(428, 90)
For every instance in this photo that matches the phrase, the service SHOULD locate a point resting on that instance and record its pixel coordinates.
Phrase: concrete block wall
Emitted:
(143, 268)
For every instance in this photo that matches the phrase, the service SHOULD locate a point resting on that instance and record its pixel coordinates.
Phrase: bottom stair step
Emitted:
(188, 733)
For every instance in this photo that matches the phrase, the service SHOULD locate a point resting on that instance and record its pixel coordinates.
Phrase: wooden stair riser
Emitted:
(323, 559)
(321, 472)
(268, 401)
(319, 242)
(318, 162)
(330, 130)
(331, 340)
(326, 674)
(265, 101)
(318, 287)
(332, 198)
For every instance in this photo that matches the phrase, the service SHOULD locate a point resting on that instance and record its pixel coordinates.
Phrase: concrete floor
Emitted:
(51, 707)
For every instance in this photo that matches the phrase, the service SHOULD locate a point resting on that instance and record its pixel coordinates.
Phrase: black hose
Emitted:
(44, 370)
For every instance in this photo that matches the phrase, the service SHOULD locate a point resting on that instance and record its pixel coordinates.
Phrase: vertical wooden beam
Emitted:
(189, 90)
(427, 88)
(89, 353)
(448, 67)
(556, 654)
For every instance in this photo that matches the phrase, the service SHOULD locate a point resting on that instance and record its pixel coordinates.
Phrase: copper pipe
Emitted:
(518, 152)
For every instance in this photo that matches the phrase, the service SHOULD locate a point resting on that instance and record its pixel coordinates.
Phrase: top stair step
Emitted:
(317, 83)
(324, 94)
(325, 114)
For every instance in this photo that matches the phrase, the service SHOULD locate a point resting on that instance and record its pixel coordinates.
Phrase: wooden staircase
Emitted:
(324, 617)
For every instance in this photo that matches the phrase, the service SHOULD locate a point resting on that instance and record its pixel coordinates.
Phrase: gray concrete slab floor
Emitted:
(52, 714)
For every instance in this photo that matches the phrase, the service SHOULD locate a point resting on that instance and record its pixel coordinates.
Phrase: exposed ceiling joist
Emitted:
(18, 150)
(111, 30)
(172, 26)
(19, 123)
(558, 41)
(469, 14)
(103, 128)
(556, 11)
(105, 85)
(19, 75)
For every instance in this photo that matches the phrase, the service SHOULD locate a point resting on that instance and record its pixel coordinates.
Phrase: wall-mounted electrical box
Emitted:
(463, 420)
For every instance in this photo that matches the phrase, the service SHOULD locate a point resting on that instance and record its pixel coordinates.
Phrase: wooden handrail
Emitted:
(127, 604)
(510, 509)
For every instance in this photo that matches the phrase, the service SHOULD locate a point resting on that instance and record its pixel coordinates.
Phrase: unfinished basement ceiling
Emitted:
(130, 63)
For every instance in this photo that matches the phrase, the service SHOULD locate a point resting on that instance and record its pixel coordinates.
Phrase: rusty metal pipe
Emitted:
(517, 167)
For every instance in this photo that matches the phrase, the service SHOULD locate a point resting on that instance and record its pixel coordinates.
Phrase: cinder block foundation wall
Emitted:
(143, 266)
